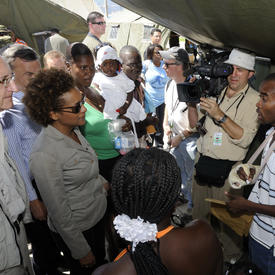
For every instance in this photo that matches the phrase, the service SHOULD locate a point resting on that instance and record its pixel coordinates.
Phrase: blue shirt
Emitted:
(20, 132)
(155, 80)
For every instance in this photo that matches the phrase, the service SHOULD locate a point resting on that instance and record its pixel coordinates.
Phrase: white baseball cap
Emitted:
(105, 53)
(241, 59)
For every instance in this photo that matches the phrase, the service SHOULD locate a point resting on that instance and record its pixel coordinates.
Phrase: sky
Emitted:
(112, 7)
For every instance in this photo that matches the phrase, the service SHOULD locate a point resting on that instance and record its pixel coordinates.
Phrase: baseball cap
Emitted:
(241, 59)
(105, 53)
(175, 53)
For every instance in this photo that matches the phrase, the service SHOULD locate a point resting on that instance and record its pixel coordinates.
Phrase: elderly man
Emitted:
(261, 201)
(97, 26)
(155, 39)
(21, 133)
(13, 197)
(176, 124)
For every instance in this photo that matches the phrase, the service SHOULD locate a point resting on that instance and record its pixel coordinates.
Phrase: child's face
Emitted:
(109, 67)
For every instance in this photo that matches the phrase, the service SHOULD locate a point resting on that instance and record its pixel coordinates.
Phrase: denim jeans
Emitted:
(185, 156)
(262, 257)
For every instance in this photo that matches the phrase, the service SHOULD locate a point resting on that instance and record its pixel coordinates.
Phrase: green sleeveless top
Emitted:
(96, 132)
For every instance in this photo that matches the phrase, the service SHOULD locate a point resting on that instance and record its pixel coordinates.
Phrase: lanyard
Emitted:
(96, 38)
(237, 107)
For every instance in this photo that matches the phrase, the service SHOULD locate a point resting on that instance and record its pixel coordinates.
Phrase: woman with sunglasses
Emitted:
(65, 169)
(155, 80)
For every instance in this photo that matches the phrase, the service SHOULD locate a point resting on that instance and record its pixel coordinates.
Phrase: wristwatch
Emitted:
(222, 120)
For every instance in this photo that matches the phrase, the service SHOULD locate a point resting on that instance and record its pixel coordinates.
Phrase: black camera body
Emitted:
(213, 79)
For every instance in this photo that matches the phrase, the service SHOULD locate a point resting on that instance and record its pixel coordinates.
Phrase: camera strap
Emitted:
(237, 107)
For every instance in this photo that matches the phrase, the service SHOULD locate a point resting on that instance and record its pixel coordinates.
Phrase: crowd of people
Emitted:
(67, 190)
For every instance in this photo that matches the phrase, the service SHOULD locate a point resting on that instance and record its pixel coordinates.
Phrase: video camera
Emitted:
(212, 80)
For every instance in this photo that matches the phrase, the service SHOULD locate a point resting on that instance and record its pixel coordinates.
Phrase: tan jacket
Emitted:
(91, 42)
(244, 114)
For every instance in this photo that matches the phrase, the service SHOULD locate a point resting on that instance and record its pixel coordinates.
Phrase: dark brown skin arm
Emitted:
(239, 204)
(125, 106)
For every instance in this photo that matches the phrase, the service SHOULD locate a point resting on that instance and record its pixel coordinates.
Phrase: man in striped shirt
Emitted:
(261, 201)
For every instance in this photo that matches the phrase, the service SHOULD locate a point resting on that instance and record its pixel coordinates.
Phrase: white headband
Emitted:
(135, 230)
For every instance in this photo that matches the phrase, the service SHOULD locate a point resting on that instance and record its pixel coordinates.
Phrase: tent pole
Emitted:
(106, 8)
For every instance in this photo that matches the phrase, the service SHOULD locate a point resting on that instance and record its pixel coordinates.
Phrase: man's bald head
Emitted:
(131, 62)
(127, 50)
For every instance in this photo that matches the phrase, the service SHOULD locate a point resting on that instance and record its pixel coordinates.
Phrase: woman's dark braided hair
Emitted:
(146, 183)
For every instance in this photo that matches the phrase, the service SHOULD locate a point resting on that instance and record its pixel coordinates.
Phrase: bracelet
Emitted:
(222, 120)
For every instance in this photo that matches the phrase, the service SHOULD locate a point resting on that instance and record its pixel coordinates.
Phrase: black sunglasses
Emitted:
(99, 23)
(74, 109)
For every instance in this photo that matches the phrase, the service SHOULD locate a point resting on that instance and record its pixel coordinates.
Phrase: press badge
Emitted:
(217, 139)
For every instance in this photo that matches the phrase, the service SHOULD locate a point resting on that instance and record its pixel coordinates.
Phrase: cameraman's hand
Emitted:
(211, 107)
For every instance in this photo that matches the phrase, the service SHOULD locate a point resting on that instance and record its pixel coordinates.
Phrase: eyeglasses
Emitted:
(74, 109)
(169, 64)
(6, 81)
(99, 23)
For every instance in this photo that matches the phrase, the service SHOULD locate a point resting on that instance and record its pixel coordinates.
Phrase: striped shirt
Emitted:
(20, 132)
(262, 228)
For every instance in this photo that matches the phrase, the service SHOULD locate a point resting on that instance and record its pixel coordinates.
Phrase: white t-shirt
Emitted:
(114, 90)
(177, 111)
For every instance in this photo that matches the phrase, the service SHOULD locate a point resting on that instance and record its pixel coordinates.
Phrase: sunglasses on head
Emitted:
(74, 109)
(99, 23)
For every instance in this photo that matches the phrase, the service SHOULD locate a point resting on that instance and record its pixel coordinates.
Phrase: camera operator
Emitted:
(230, 124)
(181, 139)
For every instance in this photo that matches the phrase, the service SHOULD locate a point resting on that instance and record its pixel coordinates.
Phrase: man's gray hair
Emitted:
(19, 51)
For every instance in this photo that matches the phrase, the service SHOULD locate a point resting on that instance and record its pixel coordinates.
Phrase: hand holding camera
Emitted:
(211, 107)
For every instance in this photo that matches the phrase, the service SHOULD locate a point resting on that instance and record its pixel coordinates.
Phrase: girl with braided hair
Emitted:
(145, 188)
